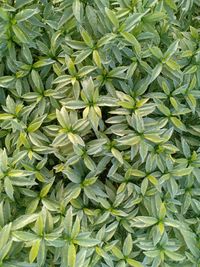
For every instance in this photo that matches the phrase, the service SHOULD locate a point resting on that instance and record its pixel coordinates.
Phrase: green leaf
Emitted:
(171, 50)
(132, 40)
(35, 124)
(77, 10)
(5, 250)
(24, 220)
(153, 138)
(86, 37)
(76, 228)
(63, 117)
(75, 139)
(128, 245)
(190, 240)
(132, 20)
(75, 104)
(174, 256)
(171, 4)
(34, 251)
(97, 58)
(134, 263)
(162, 211)
(43, 62)
(172, 64)
(46, 189)
(86, 242)
(117, 253)
(24, 236)
(117, 72)
(155, 72)
(80, 259)
(21, 3)
(117, 155)
(165, 110)
(26, 14)
(177, 123)
(129, 140)
(182, 171)
(136, 173)
(3, 14)
(36, 80)
(21, 36)
(8, 187)
(106, 39)
(144, 221)
(71, 255)
(86, 70)
(6, 80)
(5, 116)
(39, 225)
(5, 235)
(82, 55)
(156, 52)
(68, 222)
(112, 17)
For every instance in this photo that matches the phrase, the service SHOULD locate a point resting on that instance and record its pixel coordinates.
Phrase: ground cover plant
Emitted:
(99, 133)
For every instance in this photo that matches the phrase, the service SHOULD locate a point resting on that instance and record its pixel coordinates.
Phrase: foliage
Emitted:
(99, 133)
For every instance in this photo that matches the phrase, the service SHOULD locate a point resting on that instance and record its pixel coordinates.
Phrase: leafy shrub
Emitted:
(99, 133)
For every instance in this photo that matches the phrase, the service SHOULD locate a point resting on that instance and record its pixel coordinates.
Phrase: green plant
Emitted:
(99, 133)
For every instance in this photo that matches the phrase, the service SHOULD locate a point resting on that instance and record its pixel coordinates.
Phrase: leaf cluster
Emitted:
(99, 133)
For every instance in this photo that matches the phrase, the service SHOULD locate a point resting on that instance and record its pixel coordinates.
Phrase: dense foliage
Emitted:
(99, 133)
